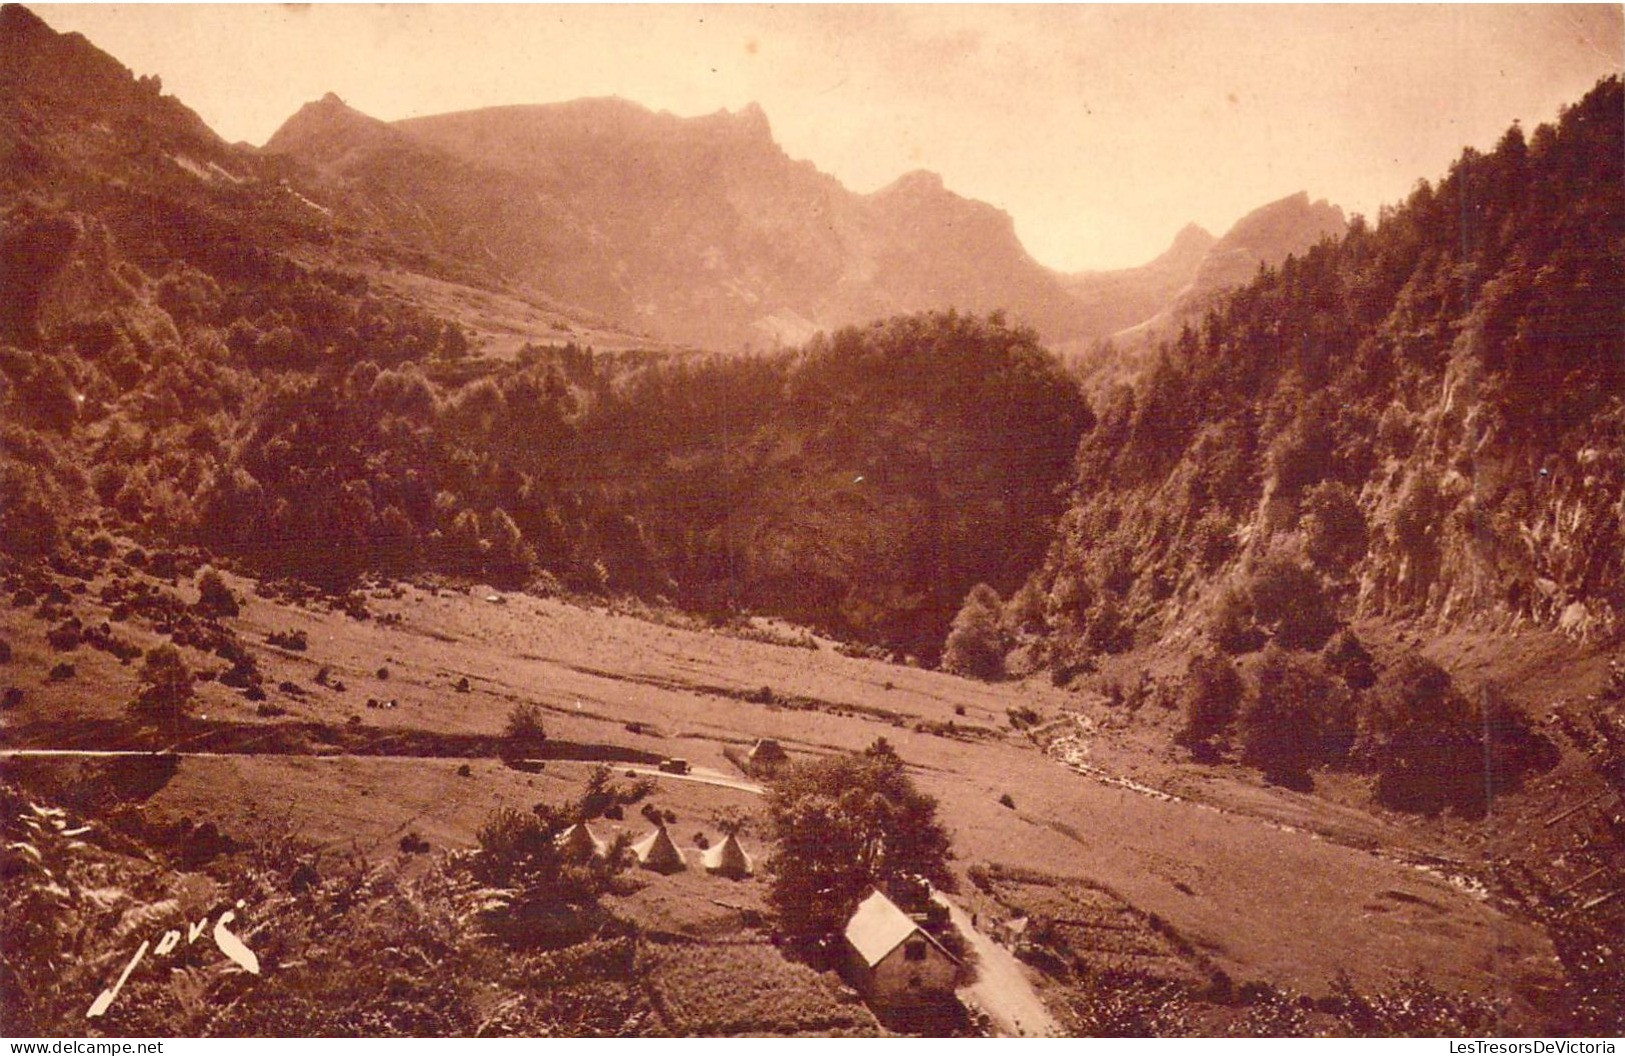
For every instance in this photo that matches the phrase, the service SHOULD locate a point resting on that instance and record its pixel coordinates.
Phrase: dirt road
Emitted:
(1002, 989)
(701, 775)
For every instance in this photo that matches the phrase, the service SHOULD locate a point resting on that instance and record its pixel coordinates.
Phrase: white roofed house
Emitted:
(894, 962)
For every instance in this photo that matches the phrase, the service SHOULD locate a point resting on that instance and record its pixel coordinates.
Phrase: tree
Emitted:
(214, 597)
(166, 689)
(1212, 692)
(844, 824)
(1289, 602)
(976, 645)
(523, 732)
(545, 898)
(1334, 527)
(509, 560)
(1280, 724)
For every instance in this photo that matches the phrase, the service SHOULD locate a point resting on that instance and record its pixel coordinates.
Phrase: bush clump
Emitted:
(977, 641)
(1280, 725)
(524, 730)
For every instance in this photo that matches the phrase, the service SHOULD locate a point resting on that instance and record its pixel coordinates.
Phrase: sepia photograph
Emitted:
(880, 521)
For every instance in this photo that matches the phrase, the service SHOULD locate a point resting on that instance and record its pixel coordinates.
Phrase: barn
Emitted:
(892, 961)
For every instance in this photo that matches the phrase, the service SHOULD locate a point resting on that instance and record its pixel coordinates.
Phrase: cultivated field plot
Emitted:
(750, 989)
(1094, 931)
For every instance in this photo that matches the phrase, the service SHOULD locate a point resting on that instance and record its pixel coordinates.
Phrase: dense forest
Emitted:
(287, 418)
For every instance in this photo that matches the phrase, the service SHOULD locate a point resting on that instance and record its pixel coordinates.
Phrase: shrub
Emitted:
(1347, 657)
(730, 820)
(1231, 624)
(1289, 602)
(1022, 717)
(1006, 801)
(977, 643)
(214, 597)
(515, 846)
(294, 641)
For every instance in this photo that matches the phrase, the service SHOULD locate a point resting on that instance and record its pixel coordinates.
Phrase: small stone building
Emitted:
(892, 961)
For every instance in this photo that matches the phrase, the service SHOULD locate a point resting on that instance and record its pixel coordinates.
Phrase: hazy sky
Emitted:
(1101, 129)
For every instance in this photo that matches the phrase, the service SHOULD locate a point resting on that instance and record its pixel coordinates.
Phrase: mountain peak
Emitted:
(918, 182)
(1192, 232)
(1287, 225)
(753, 117)
(323, 126)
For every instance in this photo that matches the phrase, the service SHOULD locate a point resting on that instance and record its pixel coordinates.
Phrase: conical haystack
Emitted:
(727, 859)
(656, 851)
(579, 841)
(766, 758)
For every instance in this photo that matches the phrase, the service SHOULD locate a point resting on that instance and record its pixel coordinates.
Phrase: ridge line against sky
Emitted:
(1102, 130)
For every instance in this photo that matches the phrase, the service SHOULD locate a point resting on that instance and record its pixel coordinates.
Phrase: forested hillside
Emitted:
(1423, 418)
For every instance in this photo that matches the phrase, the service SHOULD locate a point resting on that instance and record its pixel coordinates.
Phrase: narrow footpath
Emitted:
(1002, 989)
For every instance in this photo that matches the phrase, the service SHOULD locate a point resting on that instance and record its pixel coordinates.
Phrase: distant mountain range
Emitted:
(692, 230)
(703, 230)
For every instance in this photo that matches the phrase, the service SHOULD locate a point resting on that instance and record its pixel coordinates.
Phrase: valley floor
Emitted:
(1203, 872)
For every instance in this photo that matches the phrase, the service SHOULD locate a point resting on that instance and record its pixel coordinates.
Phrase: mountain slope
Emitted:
(244, 359)
(1116, 300)
(1263, 238)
